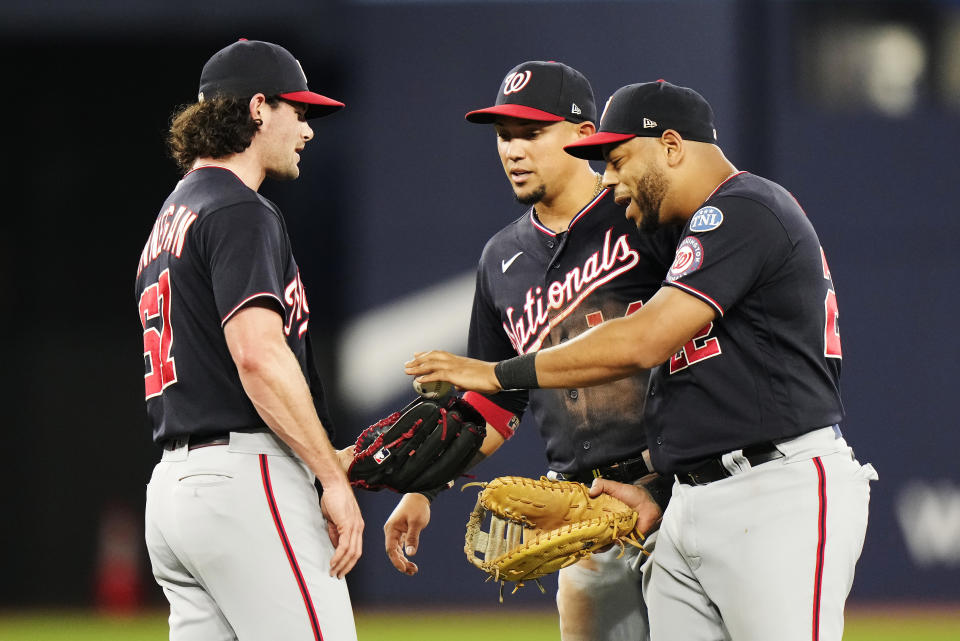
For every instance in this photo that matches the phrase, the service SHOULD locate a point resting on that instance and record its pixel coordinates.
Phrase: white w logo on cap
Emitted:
(515, 82)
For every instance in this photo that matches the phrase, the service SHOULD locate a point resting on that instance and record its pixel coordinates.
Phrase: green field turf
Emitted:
(501, 625)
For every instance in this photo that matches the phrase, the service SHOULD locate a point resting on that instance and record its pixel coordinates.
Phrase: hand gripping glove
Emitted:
(538, 527)
(426, 445)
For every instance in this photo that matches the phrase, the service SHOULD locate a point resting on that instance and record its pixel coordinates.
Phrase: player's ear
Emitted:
(257, 104)
(586, 128)
(672, 145)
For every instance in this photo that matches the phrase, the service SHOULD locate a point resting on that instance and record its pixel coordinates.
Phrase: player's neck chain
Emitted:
(597, 188)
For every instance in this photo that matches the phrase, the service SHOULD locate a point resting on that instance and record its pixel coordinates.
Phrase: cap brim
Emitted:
(591, 147)
(488, 115)
(319, 106)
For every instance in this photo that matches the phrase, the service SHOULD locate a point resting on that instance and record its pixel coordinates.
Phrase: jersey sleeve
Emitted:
(487, 341)
(245, 248)
(726, 249)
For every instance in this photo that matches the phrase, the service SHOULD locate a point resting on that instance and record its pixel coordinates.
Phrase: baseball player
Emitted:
(569, 262)
(237, 538)
(769, 509)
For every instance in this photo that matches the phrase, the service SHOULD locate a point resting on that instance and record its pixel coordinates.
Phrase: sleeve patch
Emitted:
(706, 219)
(688, 259)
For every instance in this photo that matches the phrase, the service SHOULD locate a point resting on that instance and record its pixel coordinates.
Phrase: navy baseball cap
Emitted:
(648, 109)
(543, 91)
(249, 67)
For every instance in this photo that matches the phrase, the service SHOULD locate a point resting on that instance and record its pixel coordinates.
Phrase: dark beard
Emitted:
(532, 198)
(650, 192)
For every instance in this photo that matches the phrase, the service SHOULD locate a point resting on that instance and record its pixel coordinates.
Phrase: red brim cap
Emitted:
(488, 115)
(591, 147)
(320, 105)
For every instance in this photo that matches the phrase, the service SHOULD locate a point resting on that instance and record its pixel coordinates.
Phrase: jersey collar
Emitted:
(583, 212)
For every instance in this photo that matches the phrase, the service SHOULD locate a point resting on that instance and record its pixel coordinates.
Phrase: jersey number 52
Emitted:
(157, 344)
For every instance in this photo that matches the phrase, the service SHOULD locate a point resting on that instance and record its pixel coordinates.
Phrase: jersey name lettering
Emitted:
(527, 332)
(169, 233)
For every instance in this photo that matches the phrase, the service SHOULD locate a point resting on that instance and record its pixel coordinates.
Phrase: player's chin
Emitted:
(529, 194)
(292, 172)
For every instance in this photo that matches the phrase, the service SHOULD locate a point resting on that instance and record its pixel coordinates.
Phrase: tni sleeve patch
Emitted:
(706, 219)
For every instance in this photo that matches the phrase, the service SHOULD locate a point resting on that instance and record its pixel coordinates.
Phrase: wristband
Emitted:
(519, 372)
(503, 421)
(432, 493)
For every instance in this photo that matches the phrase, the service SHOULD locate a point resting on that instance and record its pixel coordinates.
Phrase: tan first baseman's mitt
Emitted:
(537, 527)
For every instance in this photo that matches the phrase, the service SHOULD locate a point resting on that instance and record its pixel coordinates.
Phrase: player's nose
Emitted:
(307, 132)
(516, 149)
(610, 177)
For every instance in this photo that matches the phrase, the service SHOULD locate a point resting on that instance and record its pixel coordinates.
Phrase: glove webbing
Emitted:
(506, 536)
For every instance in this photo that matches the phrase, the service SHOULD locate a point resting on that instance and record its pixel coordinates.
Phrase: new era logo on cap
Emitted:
(541, 91)
(649, 124)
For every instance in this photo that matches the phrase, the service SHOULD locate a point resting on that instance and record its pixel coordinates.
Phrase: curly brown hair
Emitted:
(213, 128)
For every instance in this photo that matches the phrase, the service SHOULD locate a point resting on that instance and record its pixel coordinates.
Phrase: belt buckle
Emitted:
(708, 472)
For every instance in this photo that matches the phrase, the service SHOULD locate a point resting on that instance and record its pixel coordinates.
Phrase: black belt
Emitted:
(194, 442)
(714, 470)
(624, 471)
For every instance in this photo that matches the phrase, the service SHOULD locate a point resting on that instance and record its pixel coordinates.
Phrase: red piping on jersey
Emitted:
(247, 300)
(698, 294)
(580, 214)
(298, 575)
(495, 416)
(728, 179)
(821, 543)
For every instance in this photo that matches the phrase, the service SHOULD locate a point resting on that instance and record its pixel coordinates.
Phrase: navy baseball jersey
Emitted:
(537, 288)
(768, 367)
(216, 247)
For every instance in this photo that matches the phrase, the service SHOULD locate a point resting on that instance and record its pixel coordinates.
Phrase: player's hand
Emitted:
(465, 373)
(345, 526)
(401, 532)
(637, 498)
(345, 456)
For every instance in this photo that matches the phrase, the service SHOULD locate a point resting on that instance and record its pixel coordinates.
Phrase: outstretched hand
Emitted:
(401, 532)
(465, 373)
(637, 499)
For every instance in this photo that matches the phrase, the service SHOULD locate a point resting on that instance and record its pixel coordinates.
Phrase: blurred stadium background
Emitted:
(853, 106)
